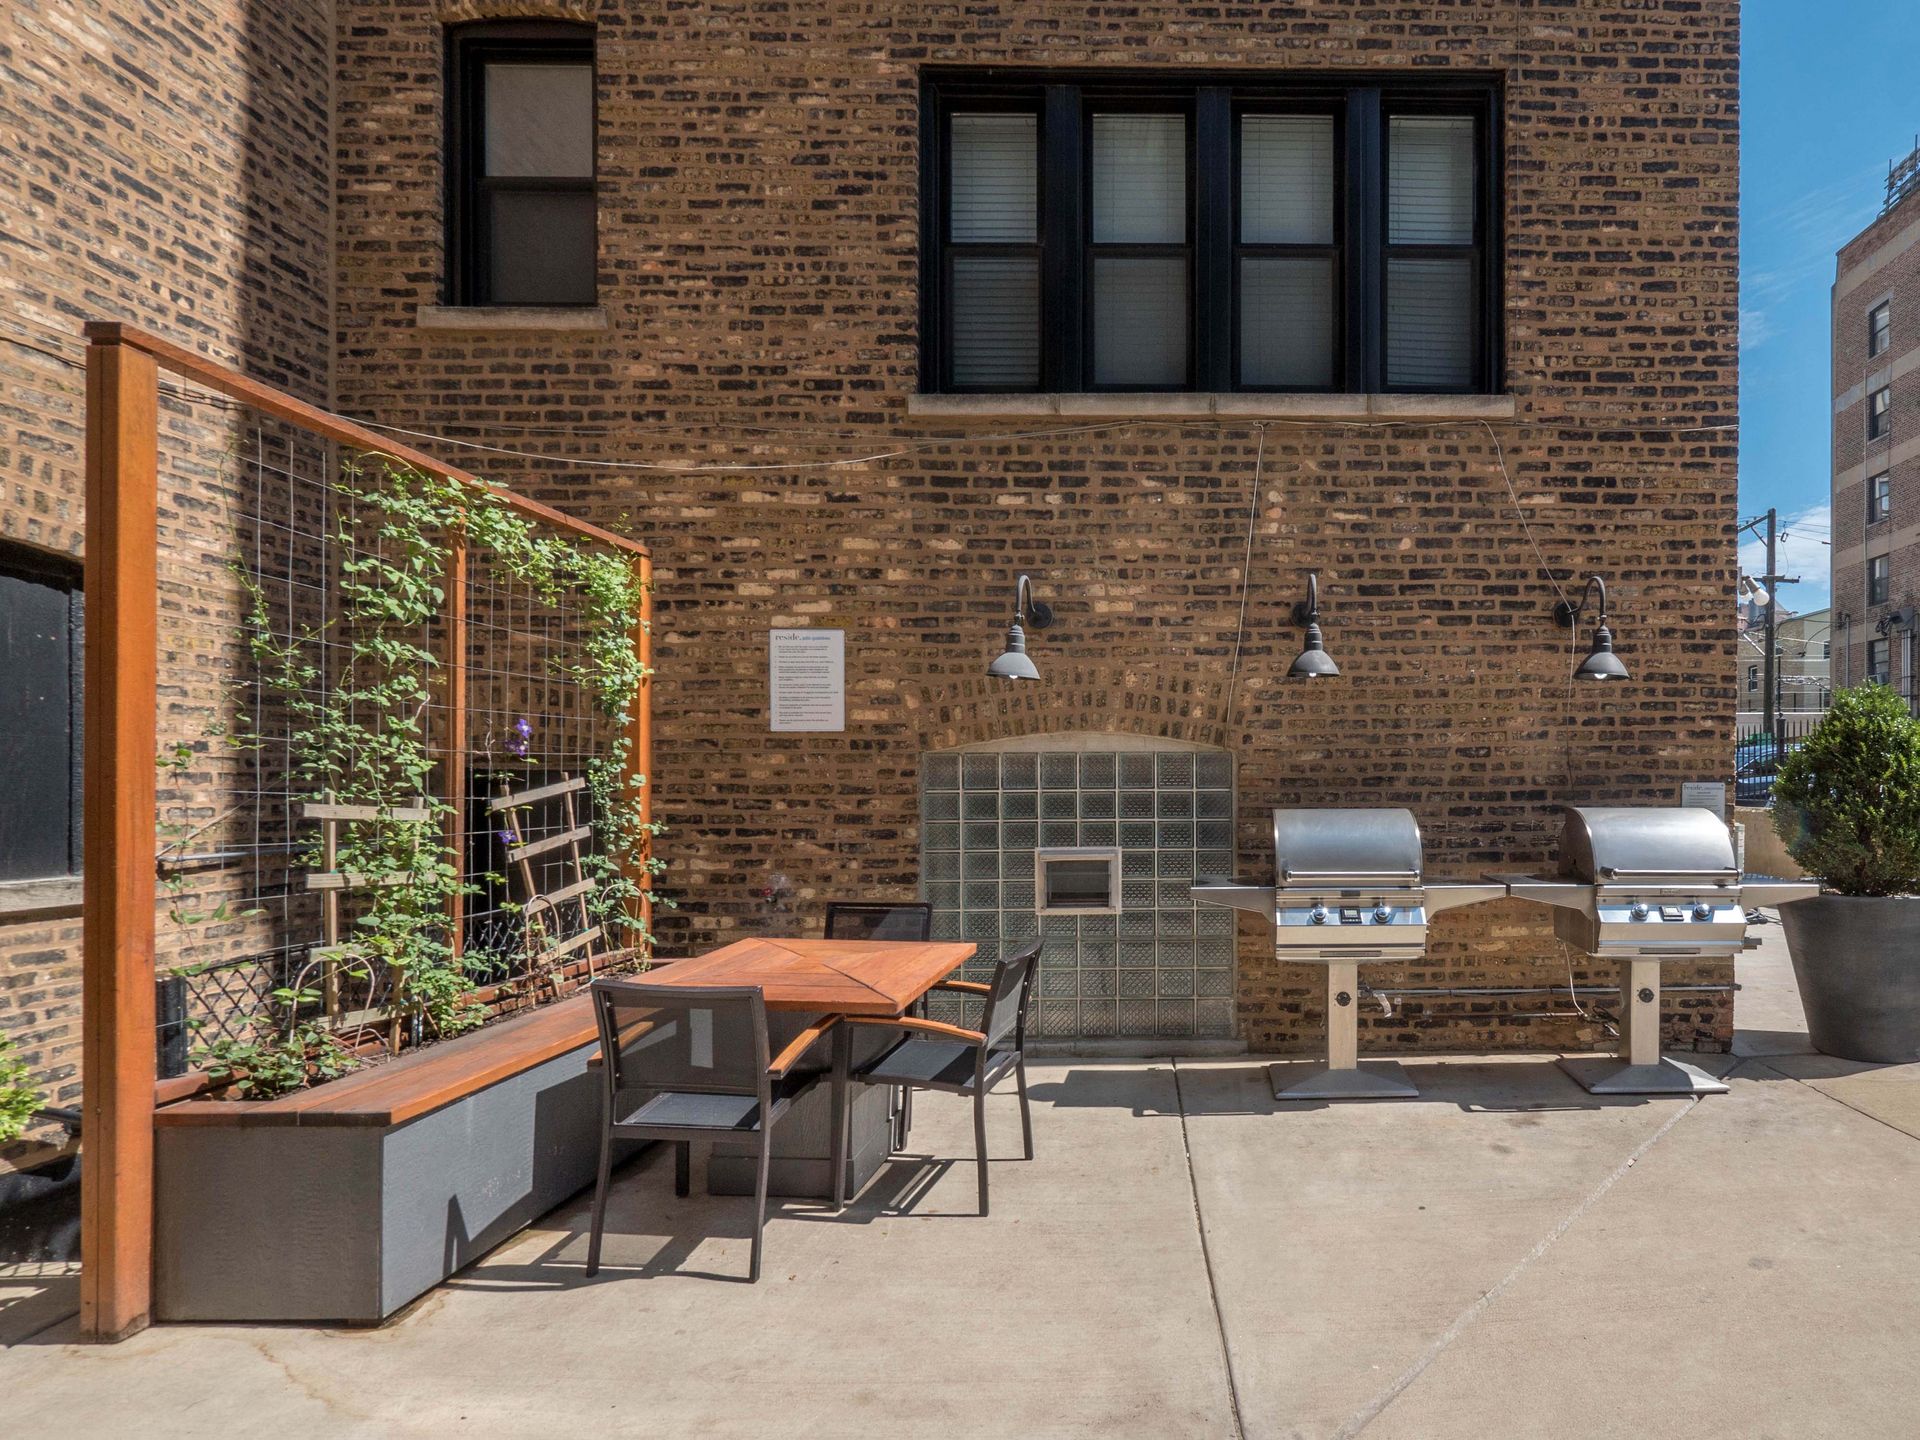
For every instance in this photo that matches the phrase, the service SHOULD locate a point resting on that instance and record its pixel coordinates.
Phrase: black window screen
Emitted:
(522, 216)
(40, 731)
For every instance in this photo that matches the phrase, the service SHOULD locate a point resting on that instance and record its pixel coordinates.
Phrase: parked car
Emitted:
(1755, 763)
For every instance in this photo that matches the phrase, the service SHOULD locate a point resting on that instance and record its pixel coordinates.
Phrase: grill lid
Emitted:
(1682, 845)
(1358, 844)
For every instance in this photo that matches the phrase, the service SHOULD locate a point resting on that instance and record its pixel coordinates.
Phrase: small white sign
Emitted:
(1704, 795)
(807, 679)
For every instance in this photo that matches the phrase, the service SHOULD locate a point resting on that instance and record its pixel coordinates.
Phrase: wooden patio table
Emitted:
(803, 981)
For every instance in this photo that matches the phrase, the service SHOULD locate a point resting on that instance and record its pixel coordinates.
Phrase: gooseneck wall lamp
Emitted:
(1601, 663)
(1313, 662)
(1013, 663)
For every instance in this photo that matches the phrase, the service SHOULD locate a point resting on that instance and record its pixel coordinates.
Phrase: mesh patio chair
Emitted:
(684, 1063)
(935, 1056)
(878, 920)
(884, 920)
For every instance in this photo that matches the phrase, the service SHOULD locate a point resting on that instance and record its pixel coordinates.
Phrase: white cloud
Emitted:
(1755, 329)
(1803, 551)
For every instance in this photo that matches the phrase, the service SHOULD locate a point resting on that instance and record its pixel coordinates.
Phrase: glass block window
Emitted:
(1159, 967)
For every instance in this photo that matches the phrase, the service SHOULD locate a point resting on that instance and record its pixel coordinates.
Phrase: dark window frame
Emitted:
(470, 48)
(25, 563)
(1879, 421)
(1879, 497)
(1361, 102)
(1882, 672)
(1335, 251)
(1091, 249)
(1879, 328)
(1879, 579)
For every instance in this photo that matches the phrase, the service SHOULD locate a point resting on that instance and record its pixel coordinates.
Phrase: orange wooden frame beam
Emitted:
(119, 842)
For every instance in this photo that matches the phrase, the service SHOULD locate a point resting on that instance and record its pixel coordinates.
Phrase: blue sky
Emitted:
(1828, 100)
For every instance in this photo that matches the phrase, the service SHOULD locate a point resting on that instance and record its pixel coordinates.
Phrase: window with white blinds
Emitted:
(993, 250)
(1433, 259)
(1267, 233)
(1288, 272)
(1141, 264)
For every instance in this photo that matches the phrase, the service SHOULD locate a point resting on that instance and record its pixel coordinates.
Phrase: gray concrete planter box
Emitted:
(1857, 962)
(334, 1210)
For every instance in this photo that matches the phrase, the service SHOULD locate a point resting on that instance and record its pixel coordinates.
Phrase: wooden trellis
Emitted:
(124, 366)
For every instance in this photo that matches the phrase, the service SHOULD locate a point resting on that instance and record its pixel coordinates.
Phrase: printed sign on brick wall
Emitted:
(807, 679)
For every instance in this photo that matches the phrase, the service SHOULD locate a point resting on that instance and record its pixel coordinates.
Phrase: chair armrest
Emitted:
(965, 987)
(925, 1027)
(800, 1044)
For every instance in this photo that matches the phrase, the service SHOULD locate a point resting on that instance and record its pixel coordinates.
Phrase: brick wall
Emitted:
(1878, 264)
(167, 165)
(758, 261)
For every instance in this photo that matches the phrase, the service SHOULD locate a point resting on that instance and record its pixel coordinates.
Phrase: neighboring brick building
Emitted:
(167, 165)
(1561, 353)
(1876, 443)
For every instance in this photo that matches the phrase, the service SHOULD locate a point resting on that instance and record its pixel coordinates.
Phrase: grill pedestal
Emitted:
(1640, 1069)
(1341, 1076)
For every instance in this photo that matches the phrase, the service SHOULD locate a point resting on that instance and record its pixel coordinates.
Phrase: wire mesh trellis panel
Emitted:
(330, 846)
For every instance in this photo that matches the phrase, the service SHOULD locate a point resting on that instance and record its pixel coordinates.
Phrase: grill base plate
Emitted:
(1317, 1080)
(1604, 1075)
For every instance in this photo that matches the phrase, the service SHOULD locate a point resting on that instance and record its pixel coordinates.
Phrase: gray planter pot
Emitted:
(1857, 961)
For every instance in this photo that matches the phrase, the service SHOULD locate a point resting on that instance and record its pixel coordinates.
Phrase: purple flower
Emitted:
(521, 741)
(506, 837)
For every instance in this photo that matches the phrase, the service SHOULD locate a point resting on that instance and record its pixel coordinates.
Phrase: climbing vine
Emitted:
(356, 693)
(19, 1096)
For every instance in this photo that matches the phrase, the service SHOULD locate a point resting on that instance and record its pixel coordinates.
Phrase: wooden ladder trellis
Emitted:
(334, 954)
(546, 952)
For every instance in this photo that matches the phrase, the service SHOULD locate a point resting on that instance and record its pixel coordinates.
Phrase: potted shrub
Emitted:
(1847, 805)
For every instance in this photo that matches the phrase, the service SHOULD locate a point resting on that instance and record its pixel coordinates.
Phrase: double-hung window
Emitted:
(1879, 579)
(1879, 497)
(521, 202)
(1880, 413)
(1879, 328)
(1097, 234)
(1880, 661)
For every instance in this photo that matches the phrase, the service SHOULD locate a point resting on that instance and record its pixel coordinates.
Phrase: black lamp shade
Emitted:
(1601, 663)
(1313, 663)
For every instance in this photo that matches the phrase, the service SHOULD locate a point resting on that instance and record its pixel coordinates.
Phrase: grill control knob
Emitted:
(1382, 914)
(1703, 911)
(1639, 911)
(1318, 914)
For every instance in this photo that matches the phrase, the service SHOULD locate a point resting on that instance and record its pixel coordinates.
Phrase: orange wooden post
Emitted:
(117, 1002)
(453, 779)
(641, 760)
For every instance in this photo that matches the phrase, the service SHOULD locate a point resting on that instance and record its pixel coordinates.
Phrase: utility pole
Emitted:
(1771, 583)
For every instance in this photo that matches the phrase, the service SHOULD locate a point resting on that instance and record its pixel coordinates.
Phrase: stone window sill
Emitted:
(22, 898)
(1154, 405)
(517, 319)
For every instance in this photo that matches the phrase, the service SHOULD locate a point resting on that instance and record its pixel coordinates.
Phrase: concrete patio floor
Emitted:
(1506, 1255)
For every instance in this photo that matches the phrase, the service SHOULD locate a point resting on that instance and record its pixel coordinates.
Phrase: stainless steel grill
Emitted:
(1647, 885)
(1349, 891)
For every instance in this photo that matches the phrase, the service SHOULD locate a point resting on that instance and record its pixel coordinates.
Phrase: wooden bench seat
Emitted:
(417, 1083)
